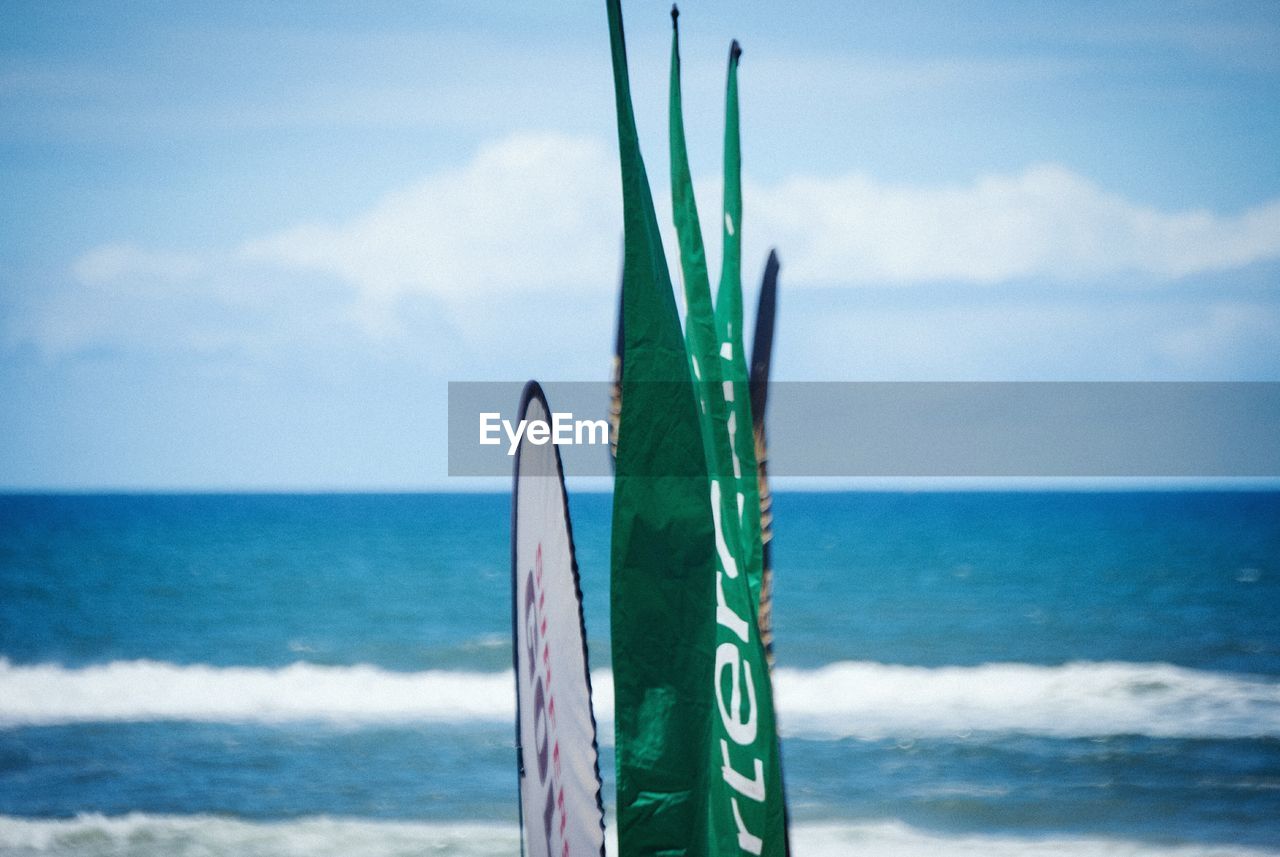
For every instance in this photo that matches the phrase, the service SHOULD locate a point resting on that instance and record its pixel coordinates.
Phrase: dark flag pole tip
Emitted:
(675, 13)
(735, 50)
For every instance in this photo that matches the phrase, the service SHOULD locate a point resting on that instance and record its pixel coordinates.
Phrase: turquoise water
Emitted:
(985, 673)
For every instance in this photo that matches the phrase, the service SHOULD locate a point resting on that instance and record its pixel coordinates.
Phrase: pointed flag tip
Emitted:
(735, 50)
(675, 12)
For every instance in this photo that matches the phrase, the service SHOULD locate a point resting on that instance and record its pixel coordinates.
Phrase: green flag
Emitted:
(662, 593)
(733, 358)
(701, 338)
(745, 808)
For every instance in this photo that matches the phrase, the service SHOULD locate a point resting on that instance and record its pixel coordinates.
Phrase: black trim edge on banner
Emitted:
(762, 342)
(533, 390)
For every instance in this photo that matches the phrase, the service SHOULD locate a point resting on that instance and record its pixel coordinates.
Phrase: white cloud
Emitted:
(532, 213)
(537, 213)
(1045, 222)
(117, 263)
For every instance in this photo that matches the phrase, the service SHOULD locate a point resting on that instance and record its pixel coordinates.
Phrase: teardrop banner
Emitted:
(561, 809)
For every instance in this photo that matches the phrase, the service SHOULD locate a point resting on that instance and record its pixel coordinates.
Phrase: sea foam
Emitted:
(1083, 699)
(144, 835)
(848, 699)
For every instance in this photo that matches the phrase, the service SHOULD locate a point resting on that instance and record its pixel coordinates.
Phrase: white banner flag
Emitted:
(561, 810)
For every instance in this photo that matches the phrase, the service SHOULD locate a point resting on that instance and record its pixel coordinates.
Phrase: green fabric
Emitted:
(729, 328)
(701, 337)
(729, 300)
(662, 594)
(746, 807)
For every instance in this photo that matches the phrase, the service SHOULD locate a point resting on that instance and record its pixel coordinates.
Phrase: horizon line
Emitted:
(604, 485)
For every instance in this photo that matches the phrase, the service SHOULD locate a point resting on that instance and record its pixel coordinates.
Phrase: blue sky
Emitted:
(247, 245)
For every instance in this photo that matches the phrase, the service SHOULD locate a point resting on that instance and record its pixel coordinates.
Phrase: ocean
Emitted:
(1054, 673)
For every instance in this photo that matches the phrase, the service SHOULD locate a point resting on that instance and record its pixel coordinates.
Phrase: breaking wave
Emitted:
(848, 699)
(144, 835)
